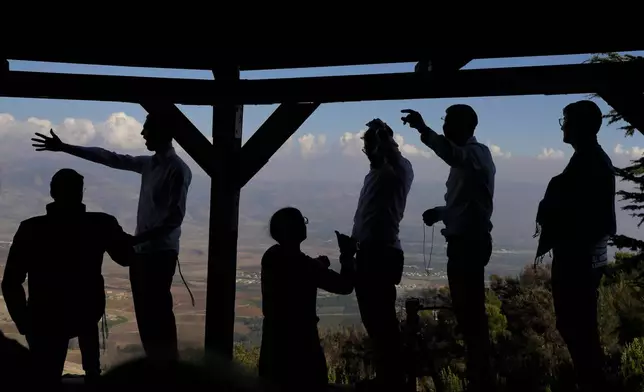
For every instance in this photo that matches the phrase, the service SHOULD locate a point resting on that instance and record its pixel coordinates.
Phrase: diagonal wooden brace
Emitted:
(185, 133)
(630, 104)
(275, 131)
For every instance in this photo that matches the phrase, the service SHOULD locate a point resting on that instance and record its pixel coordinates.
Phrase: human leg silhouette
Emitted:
(151, 280)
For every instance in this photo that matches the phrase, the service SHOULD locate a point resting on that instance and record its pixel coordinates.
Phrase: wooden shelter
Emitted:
(230, 166)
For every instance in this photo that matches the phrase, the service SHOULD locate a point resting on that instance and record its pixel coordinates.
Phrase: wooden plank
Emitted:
(283, 57)
(558, 79)
(271, 135)
(224, 223)
(185, 133)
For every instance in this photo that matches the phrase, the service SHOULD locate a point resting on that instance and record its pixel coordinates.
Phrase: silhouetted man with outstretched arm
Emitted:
(165, 180)
(380, 258)
(575, 220)
(466, 215)
(61, 255)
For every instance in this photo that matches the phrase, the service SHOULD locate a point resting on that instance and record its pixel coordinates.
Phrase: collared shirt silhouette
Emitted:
(60, 255)
(165, 180)
(382, 202)
(467, 217)
(380, 258)
(470, 184)
(291, 355)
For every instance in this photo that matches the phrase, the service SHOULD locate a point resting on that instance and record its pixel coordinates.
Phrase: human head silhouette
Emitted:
(66, 187)
(459, 123)
(288, 226)
(156, 134)
(581, 122)
(378, 141)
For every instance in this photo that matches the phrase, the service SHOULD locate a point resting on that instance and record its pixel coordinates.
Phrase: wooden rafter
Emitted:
(559, 79)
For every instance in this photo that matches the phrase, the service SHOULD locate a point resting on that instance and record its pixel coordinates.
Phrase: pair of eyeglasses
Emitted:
(306, 220)
(562, 121)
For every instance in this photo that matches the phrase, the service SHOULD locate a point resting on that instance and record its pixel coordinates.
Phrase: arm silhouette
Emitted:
(119, 245)
(15, 274)
(338, 283)
(92, 154)
(454, 155)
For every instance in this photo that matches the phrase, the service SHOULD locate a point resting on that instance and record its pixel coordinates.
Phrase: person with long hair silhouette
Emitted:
(60, 254)
(291, 356)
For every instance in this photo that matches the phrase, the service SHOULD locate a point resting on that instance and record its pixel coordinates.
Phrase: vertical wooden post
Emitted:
(224, 219)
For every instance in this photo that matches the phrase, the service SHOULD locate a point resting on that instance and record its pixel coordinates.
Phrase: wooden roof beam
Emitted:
(283, 57)
(558, 79)
(271, 135)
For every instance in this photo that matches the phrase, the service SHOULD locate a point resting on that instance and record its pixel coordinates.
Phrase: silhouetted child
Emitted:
(291, 355)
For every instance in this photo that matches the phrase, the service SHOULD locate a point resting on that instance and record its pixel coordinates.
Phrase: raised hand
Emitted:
(47, 143)
(346, 244)
(414, 119)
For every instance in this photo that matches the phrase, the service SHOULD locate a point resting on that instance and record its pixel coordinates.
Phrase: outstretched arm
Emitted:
(15, 274)
(93, 154)
(107, 158)
(452, 154)
(179, 184)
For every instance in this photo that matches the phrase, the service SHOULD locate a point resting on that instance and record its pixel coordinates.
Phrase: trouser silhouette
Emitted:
(467, 257)
(379, 270)
(151, 278)
(575, 292)
(48, 354)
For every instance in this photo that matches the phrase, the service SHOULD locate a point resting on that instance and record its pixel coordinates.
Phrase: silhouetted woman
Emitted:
(291, 355)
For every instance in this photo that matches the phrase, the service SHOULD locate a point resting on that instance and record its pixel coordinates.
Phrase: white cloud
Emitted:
(351, 145)
(550, 153)
(497, 152)
(122, 131)
(118, 131)
(634, 152)
(311, 145)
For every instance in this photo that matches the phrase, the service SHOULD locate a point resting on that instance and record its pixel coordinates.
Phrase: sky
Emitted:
(517, 129)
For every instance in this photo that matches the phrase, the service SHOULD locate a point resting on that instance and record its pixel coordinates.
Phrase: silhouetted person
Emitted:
(380, 258)
(165, 180)
(291, 356)
(60, 254)
(466, 215)
(575, 219)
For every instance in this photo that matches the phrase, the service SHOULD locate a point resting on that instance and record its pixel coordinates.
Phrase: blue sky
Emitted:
(521, 125)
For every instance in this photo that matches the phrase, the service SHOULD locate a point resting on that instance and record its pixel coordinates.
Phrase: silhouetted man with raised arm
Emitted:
(575, 219)
(61, 255)
(380, 258)
(165, 180)
(467, 217)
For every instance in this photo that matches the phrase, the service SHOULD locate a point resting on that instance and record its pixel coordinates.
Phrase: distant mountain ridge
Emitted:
(329, 205)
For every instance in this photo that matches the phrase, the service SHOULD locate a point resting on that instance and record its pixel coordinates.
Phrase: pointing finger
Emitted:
(42, 136)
